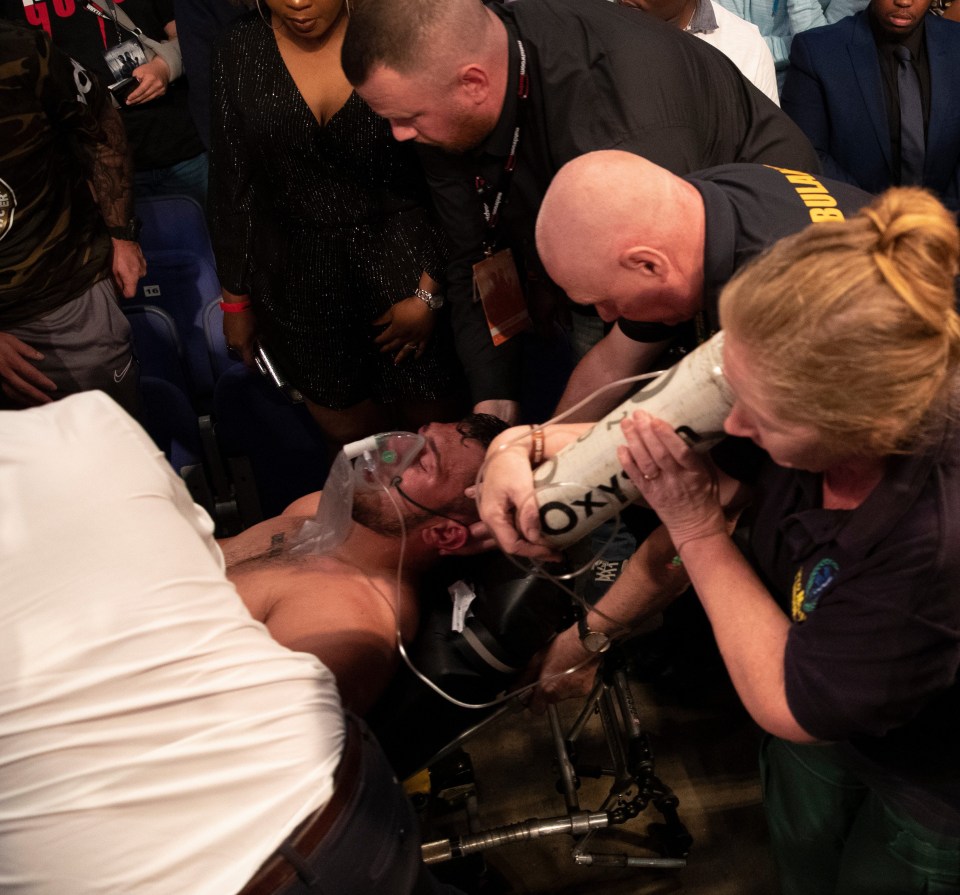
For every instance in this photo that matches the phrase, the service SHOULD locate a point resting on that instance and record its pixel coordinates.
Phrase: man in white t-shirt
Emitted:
(736, 38)
(155, 738)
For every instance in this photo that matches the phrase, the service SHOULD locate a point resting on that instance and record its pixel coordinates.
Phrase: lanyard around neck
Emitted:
(112, 17)
(491, 211)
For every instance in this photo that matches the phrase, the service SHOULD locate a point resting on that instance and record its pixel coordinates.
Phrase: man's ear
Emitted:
(475, 83)
(446, 536)
(645, 261)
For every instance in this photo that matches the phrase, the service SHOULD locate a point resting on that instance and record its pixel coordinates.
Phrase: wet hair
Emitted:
(403, 34)
(851, 326)
(482, 427)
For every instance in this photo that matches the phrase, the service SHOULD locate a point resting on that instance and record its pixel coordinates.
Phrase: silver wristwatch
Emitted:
(434, 302)
(593, 641)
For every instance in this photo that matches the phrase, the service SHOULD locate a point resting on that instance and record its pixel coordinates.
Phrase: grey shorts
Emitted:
(86, 345)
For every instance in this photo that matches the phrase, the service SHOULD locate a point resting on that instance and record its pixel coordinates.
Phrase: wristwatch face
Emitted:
(593, 641)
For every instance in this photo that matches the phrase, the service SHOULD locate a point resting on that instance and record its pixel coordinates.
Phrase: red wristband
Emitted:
(234, 307)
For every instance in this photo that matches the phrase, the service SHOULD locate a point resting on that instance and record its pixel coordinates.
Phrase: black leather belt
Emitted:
(277, 872)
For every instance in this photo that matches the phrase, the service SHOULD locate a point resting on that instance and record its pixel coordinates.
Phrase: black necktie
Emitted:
(912, 141)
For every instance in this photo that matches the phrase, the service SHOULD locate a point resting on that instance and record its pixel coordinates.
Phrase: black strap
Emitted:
(491, 212)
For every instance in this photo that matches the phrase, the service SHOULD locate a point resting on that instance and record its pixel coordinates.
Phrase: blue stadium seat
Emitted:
(166, 412)
(182, 279)
(220, 361)
(171, 422)
(255, 421)
(173, 223)
(183, 284)
(157, 345)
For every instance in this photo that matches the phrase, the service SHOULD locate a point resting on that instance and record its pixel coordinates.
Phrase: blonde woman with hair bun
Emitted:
(841, 631)
(854, 330)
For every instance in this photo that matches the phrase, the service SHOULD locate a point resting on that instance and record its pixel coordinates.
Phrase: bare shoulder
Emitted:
(324, 606)
(321, 596)
(324, 592)
(304, 506)
(346, 619)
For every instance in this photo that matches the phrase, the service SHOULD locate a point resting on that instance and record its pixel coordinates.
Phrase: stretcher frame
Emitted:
(634, 786)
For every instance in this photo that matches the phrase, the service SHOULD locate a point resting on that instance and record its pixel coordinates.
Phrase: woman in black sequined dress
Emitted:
(321, 220)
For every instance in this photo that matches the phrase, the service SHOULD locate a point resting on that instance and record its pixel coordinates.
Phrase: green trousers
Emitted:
(831, 834)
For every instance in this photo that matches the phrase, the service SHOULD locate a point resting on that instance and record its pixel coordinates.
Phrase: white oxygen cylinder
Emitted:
(584, 484)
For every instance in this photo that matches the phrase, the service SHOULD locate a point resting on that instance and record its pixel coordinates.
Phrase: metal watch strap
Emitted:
(432, 301)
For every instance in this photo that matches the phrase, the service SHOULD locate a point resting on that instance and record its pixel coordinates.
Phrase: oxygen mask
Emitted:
(375, 463)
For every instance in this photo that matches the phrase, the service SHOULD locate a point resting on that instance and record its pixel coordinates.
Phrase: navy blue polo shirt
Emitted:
(748, 208)
(873, 653)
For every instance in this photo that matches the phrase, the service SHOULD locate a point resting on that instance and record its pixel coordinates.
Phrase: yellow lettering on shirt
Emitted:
(797, 597)
(813, 194)
(819, 215)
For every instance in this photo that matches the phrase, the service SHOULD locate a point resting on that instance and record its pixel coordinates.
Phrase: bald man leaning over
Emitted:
(500, 95)
(651, 250)
(342, 606)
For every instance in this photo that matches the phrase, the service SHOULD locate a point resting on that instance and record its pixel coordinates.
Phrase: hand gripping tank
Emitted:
(584, 484)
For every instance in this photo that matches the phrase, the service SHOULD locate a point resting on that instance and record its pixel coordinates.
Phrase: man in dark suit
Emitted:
(849, 88)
